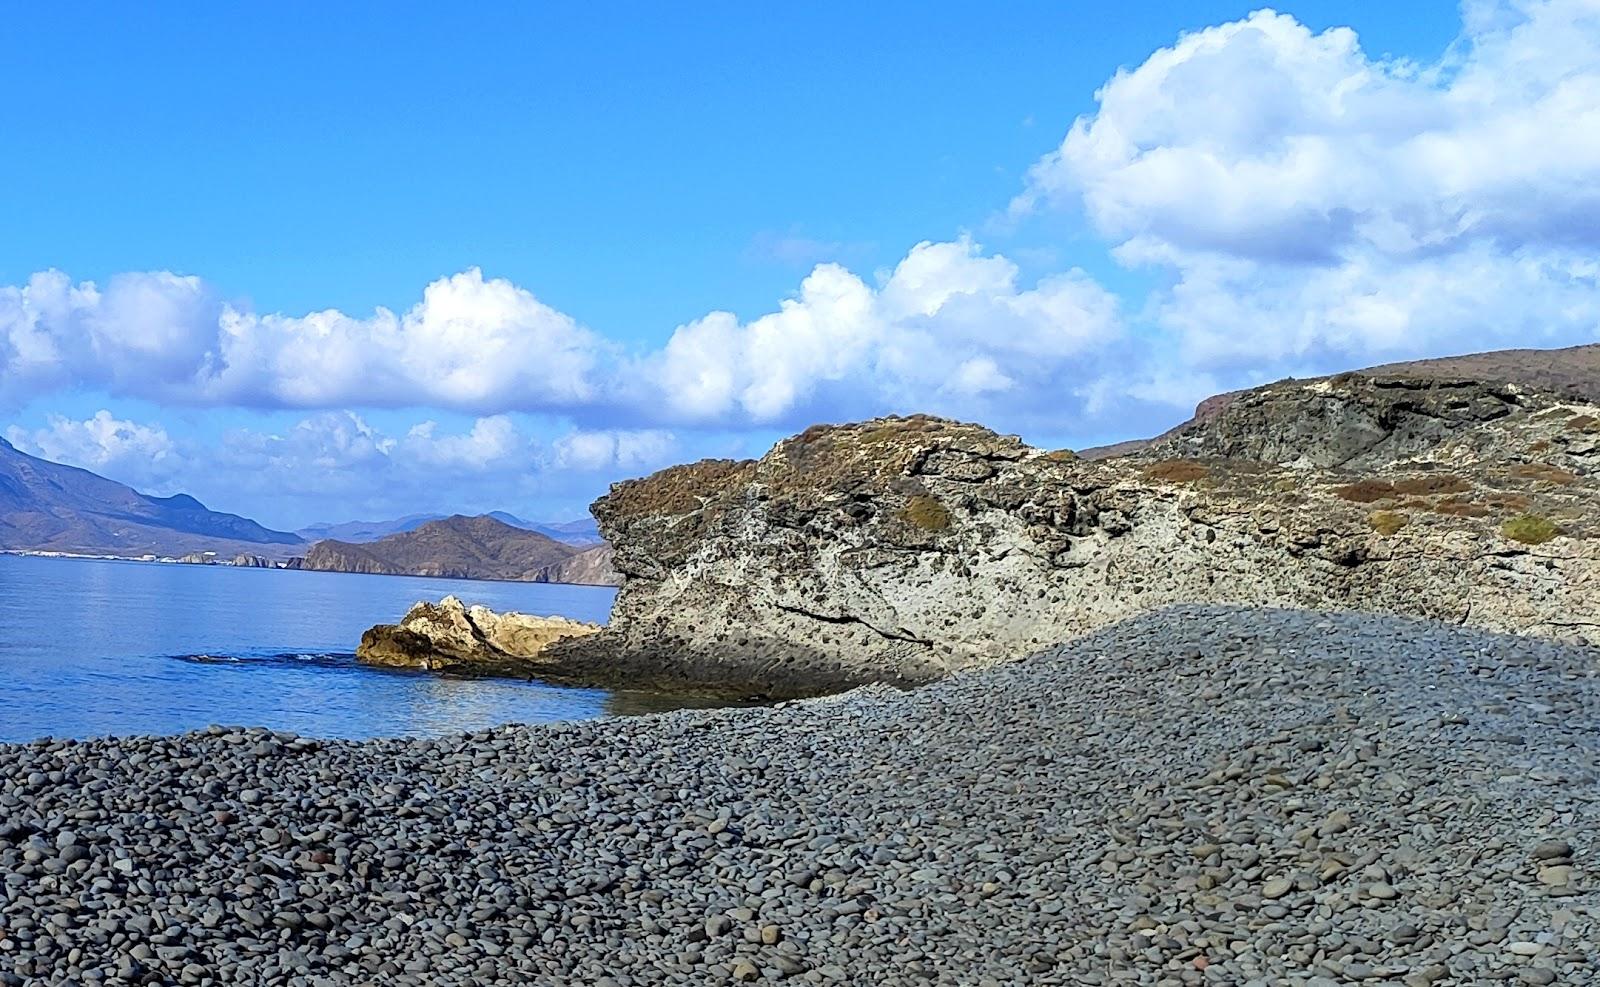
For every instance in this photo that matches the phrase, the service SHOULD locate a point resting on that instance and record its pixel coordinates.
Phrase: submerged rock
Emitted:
(451, 635)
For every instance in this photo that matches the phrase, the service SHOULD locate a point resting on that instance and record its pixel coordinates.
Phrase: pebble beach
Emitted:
(1202, 795)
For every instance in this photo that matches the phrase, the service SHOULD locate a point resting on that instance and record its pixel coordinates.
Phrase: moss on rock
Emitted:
(1530, 529)
(1387, 522)
(927, 513)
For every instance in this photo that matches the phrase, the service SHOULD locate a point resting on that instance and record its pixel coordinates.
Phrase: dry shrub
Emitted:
(1543, 472)
(1365, 491)
(1177, 471)
(1530, 529)
(1426, 486)
(1461, 508)
(927, 513)
(1387, 522)
(1509, 502)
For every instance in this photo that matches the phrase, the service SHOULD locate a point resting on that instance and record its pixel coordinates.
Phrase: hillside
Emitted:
(361, 532)
(590, 567)
(46, 506)
(457, 547)
(1572, 372)
(581, 532)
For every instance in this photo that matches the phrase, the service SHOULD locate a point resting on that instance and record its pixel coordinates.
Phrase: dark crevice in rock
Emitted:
(829, 618)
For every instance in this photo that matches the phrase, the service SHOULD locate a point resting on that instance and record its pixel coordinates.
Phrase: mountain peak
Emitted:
(46, 506)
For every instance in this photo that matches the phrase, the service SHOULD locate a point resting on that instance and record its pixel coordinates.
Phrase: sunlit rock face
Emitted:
(451, 636)
(903, 549)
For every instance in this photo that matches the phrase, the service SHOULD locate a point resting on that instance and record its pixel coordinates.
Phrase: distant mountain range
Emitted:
(580, 532)
(48, 507)
(45, 506)
(460, 547)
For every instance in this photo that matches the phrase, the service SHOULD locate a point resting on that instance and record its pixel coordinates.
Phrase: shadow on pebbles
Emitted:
(1200, 795)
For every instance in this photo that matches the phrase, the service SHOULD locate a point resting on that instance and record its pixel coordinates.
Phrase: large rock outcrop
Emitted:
(904, 549)
(450, 636)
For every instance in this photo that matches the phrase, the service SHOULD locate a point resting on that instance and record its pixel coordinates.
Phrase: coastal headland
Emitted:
(1304, 693)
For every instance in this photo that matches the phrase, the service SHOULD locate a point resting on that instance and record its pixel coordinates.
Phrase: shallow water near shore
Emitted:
(91, 648)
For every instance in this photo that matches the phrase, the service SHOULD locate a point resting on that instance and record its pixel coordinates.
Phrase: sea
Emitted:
(98, 647)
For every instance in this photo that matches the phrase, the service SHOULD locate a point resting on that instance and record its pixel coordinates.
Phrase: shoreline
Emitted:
(224, 564)
(1202, 792)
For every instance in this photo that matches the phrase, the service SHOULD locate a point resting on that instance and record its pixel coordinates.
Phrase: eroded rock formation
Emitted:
(904, 549)
(449, 635)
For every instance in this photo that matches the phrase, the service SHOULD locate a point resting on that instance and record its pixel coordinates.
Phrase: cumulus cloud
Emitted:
(143, 332)
(471, 343)
(337, 465)
(615, 449)
(495, 463)
(145, 454)
(341, 450)
(948, 325)
(492, 442)
(1305, 206)
(1320, 205)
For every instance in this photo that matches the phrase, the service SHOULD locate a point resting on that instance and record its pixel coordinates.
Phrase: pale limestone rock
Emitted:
(901, 550)
(450, 635)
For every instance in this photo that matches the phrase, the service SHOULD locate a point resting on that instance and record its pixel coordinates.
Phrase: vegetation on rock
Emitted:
(1530, 529)
(1387, 522)
(1177, 471)
(926, 513)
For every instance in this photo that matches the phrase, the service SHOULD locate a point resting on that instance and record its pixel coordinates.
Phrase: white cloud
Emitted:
(492, 442)
(339, 450)
(470, 343)
(337, 465)
(948, 324)
(615, 449)
(1306, 207)
(145, 455)
(946, 327)
(148, 333)
(1322, 207)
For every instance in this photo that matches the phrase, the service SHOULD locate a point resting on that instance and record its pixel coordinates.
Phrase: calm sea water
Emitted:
(90, 648)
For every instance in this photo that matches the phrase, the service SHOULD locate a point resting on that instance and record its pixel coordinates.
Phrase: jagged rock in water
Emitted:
(904, 549)
(452, 636)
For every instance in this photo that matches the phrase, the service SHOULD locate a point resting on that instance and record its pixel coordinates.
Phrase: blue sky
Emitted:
(624, 171)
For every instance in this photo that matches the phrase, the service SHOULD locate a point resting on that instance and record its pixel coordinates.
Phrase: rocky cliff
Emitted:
(904, 549)
(1572, 373)
(590, 567)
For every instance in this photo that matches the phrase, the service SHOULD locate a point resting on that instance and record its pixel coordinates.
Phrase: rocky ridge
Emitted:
(904, 549)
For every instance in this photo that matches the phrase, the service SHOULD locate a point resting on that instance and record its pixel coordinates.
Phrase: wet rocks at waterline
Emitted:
(451, 636)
